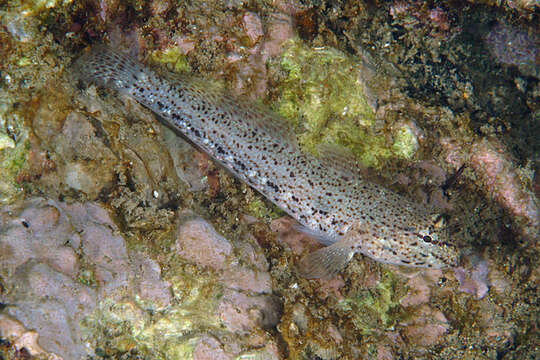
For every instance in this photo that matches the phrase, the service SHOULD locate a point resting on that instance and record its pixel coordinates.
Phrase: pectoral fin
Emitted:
(325, 263)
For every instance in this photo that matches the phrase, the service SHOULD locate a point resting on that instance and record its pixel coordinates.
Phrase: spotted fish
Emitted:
(334, 203)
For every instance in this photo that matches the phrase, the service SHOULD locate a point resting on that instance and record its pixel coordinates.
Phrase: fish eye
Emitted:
(427, 238)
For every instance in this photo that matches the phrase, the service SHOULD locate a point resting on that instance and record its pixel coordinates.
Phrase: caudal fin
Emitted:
(109, 68)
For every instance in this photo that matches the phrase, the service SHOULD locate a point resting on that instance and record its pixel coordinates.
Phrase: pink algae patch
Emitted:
(253, 26)
(297, 241)
(497, 173)
(419, 292)
(280, 29)
(243, 314)
(241, 278)
(501, 179)
(330, 287)
(473, 280)
(199, 242)
(209, 348)
(427, 327)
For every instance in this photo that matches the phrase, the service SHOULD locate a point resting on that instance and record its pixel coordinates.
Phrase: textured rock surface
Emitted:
(71, 276)
(443, 88)
(62, 260)
(199, 241)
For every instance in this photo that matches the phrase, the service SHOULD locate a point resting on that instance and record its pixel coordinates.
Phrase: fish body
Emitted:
(342, 209)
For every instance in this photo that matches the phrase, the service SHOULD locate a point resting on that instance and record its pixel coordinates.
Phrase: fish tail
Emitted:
(113, 69)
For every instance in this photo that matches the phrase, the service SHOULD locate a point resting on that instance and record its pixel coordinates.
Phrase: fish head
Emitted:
(429, 244)
(423, 242)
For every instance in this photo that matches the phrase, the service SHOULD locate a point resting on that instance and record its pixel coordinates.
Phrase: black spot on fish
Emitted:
(273, 186)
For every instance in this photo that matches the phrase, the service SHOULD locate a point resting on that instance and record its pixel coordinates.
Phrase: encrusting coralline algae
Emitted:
(325, 195)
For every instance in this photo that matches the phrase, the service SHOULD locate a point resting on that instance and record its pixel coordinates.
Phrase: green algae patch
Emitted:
(405, 143)
(323, 96)
(259, 209)
(170, 336)
(39, 5)
(6, 142)
(171, 333)
(373, 310)
(162, 336)
(13, 147)
(12, 161)
(173, 58)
